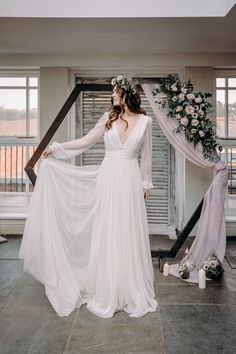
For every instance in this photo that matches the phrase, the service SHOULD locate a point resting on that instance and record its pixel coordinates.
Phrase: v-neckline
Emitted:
(117, 131)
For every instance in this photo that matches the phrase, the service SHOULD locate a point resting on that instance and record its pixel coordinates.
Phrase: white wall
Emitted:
(97, 62)
(11, 226)
(54, 90)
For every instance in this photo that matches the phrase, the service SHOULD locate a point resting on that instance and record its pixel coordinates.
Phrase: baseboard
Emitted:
(12, 226)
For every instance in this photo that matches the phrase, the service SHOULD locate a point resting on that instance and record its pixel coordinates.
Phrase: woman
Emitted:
(90, 242)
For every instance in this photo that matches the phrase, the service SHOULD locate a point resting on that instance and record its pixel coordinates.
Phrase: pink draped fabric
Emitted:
(211, 233)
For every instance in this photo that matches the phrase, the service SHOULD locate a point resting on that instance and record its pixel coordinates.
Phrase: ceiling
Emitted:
(118, 35)
(108, 8)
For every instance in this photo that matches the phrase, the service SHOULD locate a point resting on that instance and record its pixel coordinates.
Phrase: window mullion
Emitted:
(27, 107)
(226, 109)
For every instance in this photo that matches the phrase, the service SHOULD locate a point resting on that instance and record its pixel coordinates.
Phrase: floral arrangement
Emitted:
(190, 110)
(184, 269)
(213, 267)
(123, 82)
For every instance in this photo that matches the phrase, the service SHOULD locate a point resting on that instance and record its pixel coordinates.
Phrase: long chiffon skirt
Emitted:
(86, 237)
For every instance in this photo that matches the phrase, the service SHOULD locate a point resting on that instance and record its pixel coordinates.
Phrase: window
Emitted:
(226, 130)
(19, 135)
(18, 106)
(226, 107)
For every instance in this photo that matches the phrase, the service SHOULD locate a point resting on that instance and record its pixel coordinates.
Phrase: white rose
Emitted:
(193, 131)
(201, 112)
(184, 90)
(184, 121)
(182, 96)
(175, 98)
(198, 99)
(183, 267)
(173, 87)
(179, 108)
(201, 133)
(213, 263)
(194, 115)
(120, 77)
(189, 109)
(190, 96)
(194, 122)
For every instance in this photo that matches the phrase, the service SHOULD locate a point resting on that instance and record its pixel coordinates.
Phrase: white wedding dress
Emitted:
(86, 235)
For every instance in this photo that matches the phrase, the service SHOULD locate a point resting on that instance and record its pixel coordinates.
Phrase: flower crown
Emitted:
(124, 83)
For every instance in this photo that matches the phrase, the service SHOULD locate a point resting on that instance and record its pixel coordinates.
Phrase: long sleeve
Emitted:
(72, 148)
(146, 157)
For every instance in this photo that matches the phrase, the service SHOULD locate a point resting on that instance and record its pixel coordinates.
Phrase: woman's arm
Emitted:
(75, 147)
(146, 157)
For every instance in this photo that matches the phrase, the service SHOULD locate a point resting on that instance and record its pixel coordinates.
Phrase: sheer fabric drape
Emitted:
(211, 233)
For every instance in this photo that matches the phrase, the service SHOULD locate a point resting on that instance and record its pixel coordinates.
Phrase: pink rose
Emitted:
(195, 122)
(201, 133)
(189, 109)
(184, 121)
(177, 116)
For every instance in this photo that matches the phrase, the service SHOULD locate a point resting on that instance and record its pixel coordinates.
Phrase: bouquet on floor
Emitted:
(213, 267)
(185, 269)
(190, 110)
(186, 266)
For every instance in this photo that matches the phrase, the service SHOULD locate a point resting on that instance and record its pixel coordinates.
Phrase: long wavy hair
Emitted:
(133, 103)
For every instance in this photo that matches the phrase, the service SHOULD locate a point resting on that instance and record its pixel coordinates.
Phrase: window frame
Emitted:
(12, 209)
(25, 74)
(226, 142)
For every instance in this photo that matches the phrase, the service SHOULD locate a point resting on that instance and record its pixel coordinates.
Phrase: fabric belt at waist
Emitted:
(121, 154)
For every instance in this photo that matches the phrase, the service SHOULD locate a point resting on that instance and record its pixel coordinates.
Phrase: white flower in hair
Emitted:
(124, 83)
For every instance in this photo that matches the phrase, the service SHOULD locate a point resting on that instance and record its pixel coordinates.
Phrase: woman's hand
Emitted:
(47, 152)
(146, 193)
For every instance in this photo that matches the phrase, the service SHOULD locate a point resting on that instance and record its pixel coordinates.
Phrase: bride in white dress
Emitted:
(86, 235)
